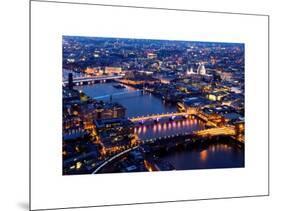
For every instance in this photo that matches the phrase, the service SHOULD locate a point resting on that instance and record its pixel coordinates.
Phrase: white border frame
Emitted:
(44, 196)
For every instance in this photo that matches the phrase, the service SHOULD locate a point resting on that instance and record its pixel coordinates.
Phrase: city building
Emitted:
(201, 69)
(217, 96)
(113, 70)
(151, 55)
(114, 134)
(93, 71)
(192, 102)
(99, 110)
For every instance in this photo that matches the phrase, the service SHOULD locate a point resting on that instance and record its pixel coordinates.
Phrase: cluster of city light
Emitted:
(110, 159)
(80, 80)
(216, 131)
(165, 126)
(157, 116)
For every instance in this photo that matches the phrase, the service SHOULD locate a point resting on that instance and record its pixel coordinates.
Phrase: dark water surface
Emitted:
(137, 104)
(215, 155)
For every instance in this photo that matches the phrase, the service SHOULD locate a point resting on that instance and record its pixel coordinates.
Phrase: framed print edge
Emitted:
(32, 106)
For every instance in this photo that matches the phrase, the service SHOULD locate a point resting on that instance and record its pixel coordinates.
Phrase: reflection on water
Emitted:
(135, 103)
(145, 132)
(203, 155)
(216, 155)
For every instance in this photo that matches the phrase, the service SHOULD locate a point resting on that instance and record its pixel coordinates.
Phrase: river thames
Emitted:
(215, 155)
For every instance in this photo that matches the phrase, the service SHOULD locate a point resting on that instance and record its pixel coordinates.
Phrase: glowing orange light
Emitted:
(203, 155)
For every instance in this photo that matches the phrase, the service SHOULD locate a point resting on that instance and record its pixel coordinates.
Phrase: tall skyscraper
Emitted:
(70, 80)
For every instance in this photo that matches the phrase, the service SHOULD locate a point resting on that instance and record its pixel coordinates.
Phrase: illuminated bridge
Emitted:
(159, 116)
(81, 80)
(111, 159)
(213, 131)
(217, 131)
(173, 140)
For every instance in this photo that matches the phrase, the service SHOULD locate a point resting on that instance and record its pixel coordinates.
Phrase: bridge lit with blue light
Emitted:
(92, 79)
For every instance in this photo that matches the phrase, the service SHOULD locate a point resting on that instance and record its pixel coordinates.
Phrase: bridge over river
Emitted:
(92, 79)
